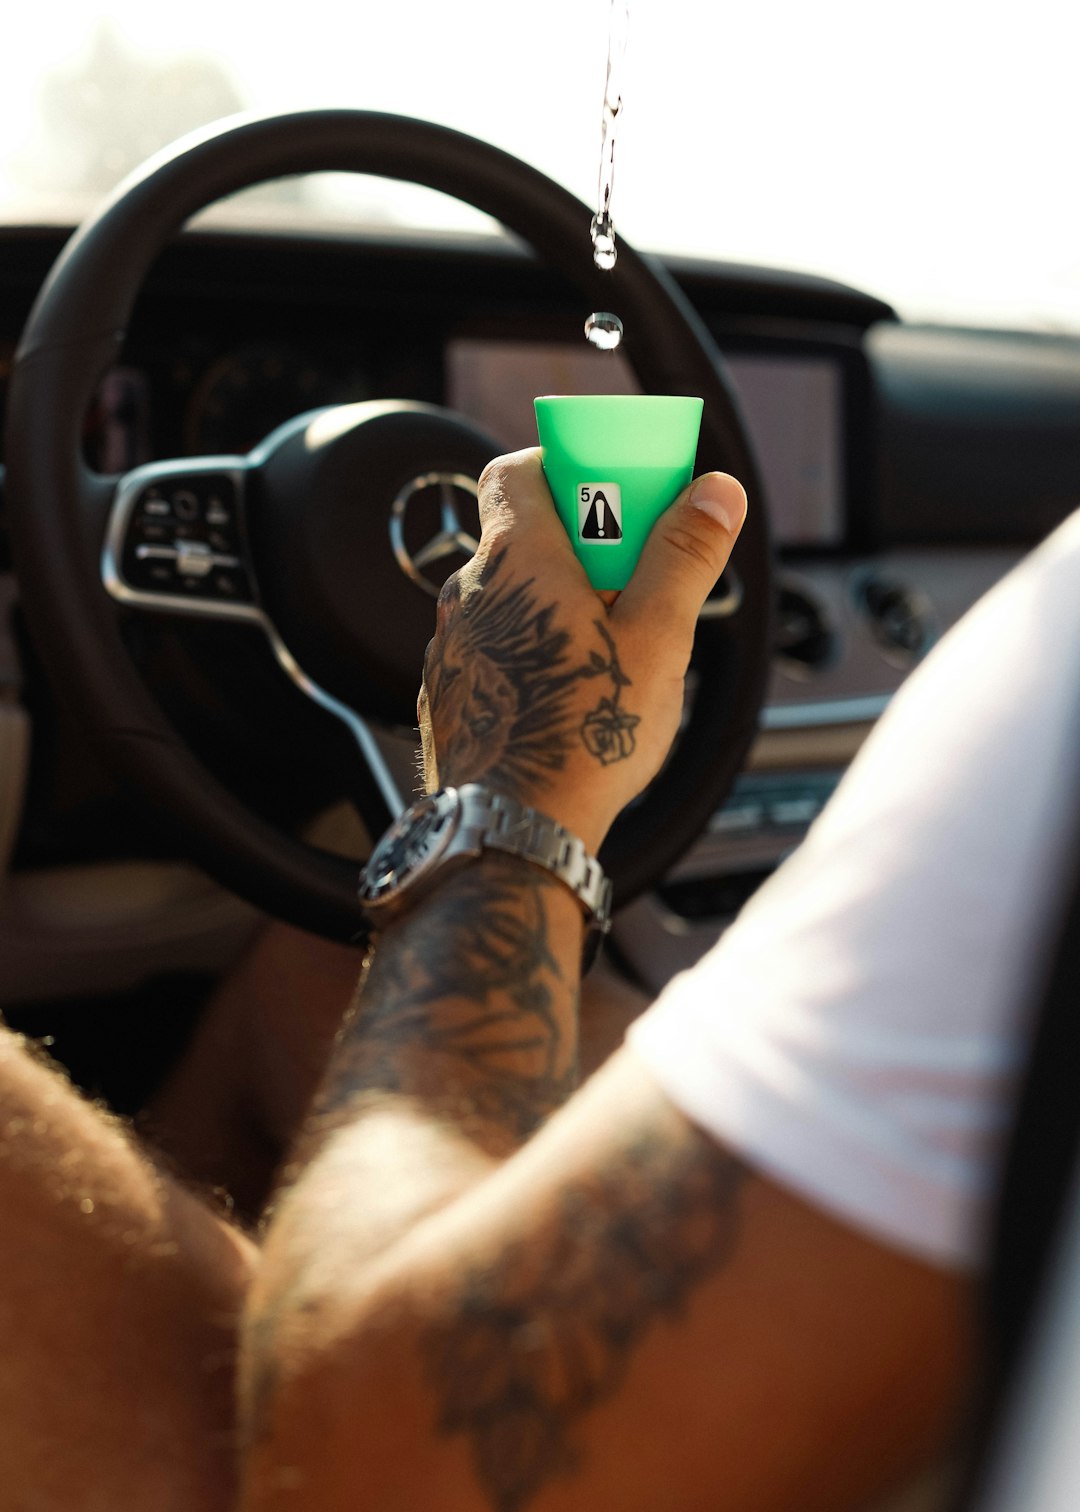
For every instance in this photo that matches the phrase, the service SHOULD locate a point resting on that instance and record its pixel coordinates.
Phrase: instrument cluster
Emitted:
(207, 403)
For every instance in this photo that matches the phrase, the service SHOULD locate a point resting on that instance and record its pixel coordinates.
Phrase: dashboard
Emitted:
(906, 468)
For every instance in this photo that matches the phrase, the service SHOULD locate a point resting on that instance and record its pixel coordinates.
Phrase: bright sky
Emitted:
(924, 150)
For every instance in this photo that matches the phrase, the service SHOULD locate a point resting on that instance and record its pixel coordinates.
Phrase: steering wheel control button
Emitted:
(230, 584)
(176, 541)
(186, 504)
(194, 559)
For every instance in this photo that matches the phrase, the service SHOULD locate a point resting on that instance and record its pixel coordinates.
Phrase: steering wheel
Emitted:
(306, 535)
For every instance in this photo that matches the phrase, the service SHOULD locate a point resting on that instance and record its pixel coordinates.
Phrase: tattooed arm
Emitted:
(481, 1292)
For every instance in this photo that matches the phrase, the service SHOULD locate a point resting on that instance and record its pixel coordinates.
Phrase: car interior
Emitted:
(904, 468)
(239, 462)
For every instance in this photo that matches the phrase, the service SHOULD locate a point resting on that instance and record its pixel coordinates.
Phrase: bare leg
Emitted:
(118, 1311)
(228, 1112)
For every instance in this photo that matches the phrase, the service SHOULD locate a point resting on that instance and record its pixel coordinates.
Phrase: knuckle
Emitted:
(504, 492)
(448, 601)
(492, 490)
(493, 478)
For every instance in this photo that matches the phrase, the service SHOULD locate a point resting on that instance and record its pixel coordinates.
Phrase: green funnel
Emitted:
(614, 462)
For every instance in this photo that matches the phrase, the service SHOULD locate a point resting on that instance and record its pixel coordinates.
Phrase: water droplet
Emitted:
(86, 1206)
(605, 252)
(604, 330)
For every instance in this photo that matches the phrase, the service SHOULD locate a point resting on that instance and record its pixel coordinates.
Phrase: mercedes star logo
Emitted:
(455, 493)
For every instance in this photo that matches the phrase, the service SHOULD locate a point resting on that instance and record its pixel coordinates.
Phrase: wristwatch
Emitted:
(446, 830)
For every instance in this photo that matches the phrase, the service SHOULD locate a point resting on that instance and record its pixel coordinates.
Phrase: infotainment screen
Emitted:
(793, 405)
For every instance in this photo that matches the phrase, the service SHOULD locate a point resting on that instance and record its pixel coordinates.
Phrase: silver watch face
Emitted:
(410, 848)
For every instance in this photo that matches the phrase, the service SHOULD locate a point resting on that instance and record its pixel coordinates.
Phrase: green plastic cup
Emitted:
(614, 462)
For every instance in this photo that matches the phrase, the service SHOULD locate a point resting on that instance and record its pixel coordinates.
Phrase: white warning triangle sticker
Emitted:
(599, 513)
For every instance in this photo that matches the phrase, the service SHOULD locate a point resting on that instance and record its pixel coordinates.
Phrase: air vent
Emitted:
(899, 617)
(804, 639)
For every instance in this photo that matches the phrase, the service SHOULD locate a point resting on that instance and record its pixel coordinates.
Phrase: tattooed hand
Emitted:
(545, 689)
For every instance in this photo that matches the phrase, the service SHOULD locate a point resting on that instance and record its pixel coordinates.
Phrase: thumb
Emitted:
(687, 550)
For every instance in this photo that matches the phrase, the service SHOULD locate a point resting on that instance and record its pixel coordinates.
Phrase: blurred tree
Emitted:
(102, 116)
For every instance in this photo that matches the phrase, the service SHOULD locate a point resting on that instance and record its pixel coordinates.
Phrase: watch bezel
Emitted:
(382, 883)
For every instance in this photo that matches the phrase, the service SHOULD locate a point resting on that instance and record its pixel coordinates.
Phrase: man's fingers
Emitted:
(686, 552)
(518, 512)
(514, 496)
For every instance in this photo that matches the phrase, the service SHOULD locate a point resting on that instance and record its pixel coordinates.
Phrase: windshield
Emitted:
(921, 151)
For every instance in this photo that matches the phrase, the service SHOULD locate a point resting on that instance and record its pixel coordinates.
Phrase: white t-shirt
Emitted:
(858, 1032)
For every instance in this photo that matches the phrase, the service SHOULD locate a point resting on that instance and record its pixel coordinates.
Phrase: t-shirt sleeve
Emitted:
(858, 1032)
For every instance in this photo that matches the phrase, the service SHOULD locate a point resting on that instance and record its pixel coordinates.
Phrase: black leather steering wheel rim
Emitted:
(57, 504)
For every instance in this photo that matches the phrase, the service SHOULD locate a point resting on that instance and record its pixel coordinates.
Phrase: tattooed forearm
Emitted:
(502, 685)
(546, 1332)
(475, 985)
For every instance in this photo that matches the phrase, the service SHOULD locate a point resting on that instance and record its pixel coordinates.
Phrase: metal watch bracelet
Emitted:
(502, 824)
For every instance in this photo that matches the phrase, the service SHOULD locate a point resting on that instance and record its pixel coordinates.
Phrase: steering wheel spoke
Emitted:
(177, 543)
(726, 598)
(176, 540)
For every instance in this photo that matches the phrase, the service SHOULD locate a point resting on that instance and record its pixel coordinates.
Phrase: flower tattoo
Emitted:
(607, 730)
(608, 733)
